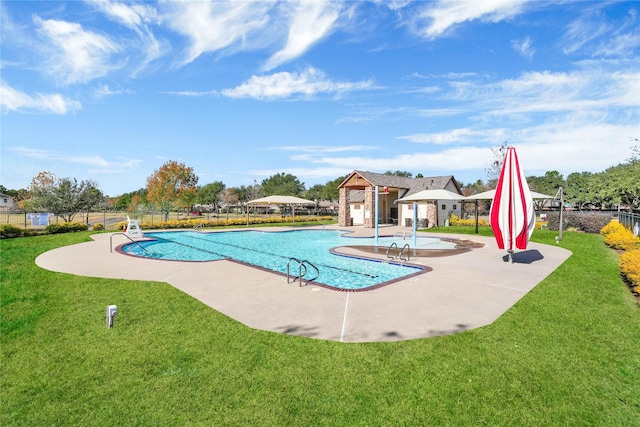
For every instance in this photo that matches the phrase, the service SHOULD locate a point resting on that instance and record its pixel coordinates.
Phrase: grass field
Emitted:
(568, 353)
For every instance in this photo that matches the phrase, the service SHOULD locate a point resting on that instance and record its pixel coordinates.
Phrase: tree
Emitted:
(495, 167)
(63, 197)
(124, 201)
(282, 184)
(211, 194)
(330, 190)
(547, 184)
(314, 193)
(619, 185)
(577, 189)
(172, 186)
(229, 198)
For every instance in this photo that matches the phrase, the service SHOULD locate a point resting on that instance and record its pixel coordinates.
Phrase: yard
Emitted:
(566, 354)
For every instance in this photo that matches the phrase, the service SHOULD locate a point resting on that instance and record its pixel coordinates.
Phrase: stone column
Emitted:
(344, 219)
(369, 205)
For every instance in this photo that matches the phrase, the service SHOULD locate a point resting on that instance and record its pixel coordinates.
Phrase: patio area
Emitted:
(463, 291)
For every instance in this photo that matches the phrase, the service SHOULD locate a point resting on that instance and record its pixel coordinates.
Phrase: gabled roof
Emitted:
(410, 185)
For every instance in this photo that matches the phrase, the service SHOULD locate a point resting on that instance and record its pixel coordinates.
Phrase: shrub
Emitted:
(630, 267)
(622, 239)
(66, 227)
(589, 222)
(612, 227)
(8, 230)
(97, 226)
(231, 222)
(454, 220)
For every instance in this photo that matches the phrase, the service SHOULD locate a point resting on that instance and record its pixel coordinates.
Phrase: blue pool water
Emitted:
(273, 250)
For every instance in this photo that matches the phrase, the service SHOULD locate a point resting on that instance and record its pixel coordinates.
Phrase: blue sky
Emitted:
(109, 91)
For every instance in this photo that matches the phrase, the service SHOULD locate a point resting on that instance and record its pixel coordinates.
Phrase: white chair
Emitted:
(133, 229)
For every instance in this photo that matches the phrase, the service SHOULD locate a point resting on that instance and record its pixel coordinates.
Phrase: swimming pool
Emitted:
(274, 250)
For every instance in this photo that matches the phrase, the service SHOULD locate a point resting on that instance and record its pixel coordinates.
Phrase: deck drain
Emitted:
(315, 289)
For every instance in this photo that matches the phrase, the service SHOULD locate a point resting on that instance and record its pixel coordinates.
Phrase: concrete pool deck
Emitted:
(463, 291)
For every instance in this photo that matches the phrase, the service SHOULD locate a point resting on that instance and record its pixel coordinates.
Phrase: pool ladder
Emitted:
(304, 267)
(123, 234)
(399, 251)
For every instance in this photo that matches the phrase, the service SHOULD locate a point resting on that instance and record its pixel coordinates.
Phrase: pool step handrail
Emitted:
(406, 246)
(302, 271)
(199, 226)
(125, 235)
(317, 270)
(391, 246)
(399, 251)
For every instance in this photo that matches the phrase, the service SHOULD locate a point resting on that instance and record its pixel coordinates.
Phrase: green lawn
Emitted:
(568, 353)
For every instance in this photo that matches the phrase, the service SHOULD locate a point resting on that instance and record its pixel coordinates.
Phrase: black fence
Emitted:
(112, 220)
(630, 220)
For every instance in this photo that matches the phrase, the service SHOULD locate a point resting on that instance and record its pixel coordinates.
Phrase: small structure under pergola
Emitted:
(281, 201)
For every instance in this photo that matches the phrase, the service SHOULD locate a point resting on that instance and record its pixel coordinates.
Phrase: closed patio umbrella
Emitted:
(513, 216)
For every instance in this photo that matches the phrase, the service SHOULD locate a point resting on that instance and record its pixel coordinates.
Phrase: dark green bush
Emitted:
(8, 230)
(66, 228)
(589, 222)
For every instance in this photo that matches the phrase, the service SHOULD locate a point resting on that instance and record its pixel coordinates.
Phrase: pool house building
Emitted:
(357, 200)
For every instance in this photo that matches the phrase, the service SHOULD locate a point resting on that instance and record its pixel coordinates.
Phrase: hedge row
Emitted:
(454, 220)
(589, 222)
(8, 230)
(621, 238)
(234, 222)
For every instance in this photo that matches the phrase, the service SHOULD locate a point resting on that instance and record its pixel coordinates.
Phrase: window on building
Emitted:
(443, 207)
(455, 207)
(357, 207)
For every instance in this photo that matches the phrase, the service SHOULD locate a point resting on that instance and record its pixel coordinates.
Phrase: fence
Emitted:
(111, 219)
(630, 220)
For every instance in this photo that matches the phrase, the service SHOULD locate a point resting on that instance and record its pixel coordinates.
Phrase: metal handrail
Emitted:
(407, 247)
(117, 234)
(302, 265)
(198, 226)
(305, 263)
(299, 270)
(389, 248)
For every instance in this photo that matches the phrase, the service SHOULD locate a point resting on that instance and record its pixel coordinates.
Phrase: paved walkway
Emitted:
(462, 292)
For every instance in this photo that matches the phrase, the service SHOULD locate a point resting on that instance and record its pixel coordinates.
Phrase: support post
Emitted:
(561, 211)
(376, 198)
(415, 225)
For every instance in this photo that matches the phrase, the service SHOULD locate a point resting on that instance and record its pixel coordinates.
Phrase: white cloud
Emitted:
(193, 93)
(435, 19)
(98, 163)
(322, 148)
(104, 90)
(74, 54)
(31, 153)
(524, 47)
(597, 36)
(15, 100)
(214, 26)
(458, 136)
(137, 17)
(283, 85)
(311, 21)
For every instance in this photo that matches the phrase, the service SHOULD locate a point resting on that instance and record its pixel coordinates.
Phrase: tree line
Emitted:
(174, 186)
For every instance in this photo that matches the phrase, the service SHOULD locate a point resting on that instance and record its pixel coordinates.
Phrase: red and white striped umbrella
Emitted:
(513, 217)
